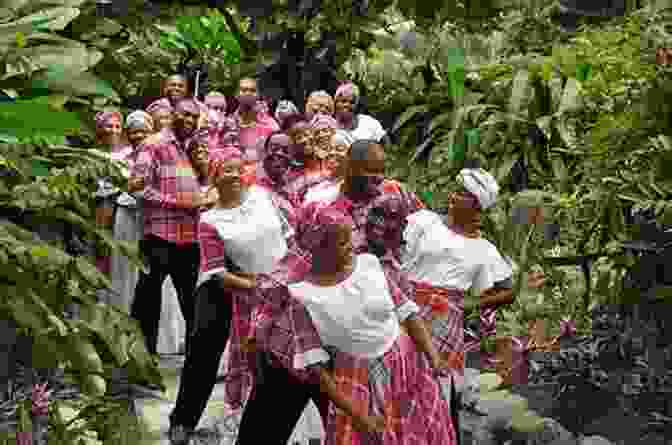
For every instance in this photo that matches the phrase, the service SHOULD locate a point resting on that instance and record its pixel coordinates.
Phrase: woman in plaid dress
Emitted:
(386, 384)
(244, 234)
(315, 148)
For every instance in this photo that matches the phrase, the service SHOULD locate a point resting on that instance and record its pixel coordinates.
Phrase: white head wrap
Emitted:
(139, 120)
(480, 183)
(342, 137)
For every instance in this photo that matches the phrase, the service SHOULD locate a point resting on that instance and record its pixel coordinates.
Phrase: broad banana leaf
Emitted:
(27, 118)
(52, 19)
(75, 84)
(77, 58)
(571, 99)
(520, 93)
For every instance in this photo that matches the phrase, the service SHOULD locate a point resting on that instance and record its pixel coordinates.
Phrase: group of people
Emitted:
(289, 248)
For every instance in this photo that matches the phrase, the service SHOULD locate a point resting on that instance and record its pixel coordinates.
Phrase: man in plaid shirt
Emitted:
(172, 198)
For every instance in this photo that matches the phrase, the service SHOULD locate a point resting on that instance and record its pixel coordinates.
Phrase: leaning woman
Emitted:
(394, 396)
(243, 235)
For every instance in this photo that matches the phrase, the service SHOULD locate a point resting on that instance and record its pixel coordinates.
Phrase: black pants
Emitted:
(208, 339)
(271, 415)
(164, 258)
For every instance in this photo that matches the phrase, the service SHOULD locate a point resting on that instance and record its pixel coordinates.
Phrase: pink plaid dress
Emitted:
(399, 384)
(252, 139)
(442, 309)
(254, 310)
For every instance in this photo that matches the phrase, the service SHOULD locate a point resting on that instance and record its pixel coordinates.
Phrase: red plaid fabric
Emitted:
(284, 329)
(251, 138)
(211, 245)
(171, 183)
(443, 312)
(278, 190)
(299, 184)
(399, 385)
(224, 135)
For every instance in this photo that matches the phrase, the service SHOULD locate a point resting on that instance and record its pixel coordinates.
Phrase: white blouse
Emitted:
(253, 233)
(367, 128)
(435, 254)
(357, 316)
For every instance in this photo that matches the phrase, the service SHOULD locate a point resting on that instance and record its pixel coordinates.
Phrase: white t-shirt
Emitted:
(357, 316)
(253, 233)
(367, 128)
(437, 255)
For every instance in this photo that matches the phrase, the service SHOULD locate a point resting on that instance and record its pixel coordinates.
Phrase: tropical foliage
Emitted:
(584, 116)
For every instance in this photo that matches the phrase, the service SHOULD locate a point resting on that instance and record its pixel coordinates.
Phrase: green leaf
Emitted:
(521, 92)
(40, 168)
(571, 99)
(584, 72)
(456, 152)
(79, 84)
(472, 138)
(456, 80)
(560, 171)
(407, 115)
(505, 166)
(488, 382)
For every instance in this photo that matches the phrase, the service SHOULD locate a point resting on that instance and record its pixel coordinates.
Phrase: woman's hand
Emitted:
(249, 278)
(369, 424)
(438, 363)
(249, 344)
(136, 184)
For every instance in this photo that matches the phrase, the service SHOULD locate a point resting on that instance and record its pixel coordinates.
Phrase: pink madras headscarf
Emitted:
(160, 105)
(348, 89)
(317, 223)
(321, 121)
(104, 117)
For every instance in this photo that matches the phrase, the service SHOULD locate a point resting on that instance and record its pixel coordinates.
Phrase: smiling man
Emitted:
(172, 198)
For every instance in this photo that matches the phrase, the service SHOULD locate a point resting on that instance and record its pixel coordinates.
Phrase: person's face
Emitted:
(111, 131)
(199, 155)
(175, 87)
(464, 212)
(301, 134)
(277, 161)
(228, 177)
(163, 119)
(373, 165)
(336, 157)
(343, 104)
(137, 135)
(186, 121)
(319, 104)
(321, 141)
(247, 87)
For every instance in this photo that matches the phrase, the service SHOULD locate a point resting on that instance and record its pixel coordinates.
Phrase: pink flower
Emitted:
(567, 327)
(24, 438)
(40, 399)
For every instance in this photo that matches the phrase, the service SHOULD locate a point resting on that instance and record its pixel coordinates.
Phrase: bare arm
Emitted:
(418, 332)
(230, 279)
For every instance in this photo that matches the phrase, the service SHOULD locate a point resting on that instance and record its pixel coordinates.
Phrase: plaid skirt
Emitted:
(282, 330)
(442, 310)
(399, 385)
